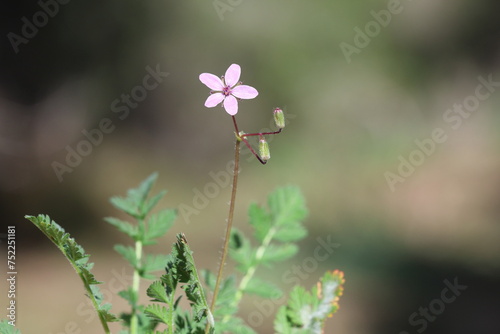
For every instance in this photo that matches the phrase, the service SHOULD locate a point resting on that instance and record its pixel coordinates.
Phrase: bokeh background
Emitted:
(351, 121)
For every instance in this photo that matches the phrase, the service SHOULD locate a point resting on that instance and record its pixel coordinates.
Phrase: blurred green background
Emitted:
(351, 120)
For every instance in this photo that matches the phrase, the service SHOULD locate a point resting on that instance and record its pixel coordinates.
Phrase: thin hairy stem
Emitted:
(253, 151)
(229, 224)
(260, 133)
(229, 220)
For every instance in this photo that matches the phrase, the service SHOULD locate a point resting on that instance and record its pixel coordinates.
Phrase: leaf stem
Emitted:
(135, 286)
(90, 294)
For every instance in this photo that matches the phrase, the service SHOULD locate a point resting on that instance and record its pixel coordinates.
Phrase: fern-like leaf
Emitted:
(181, 270)
(158, 224)
(136, 203)
(306, 311)
(79, 261)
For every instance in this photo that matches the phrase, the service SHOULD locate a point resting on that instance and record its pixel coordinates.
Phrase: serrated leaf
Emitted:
(157, 312)
(278, 252)
(79, 260)
(263, 289)
(157, 291)
(88, 277)
(126, 205)
(130, 296)
(241, 250)
(134, 203)
(234, 325)
(106, 315)
(287, 205)
(180, 269)
(227, 292)
(290, 232)
(194, 289)
(306, 311)
(260, 219)
(123, 226)
(158, 224)
(281, 323)
(150, 203)
(153, 263)
(128, 254)
(330, 289)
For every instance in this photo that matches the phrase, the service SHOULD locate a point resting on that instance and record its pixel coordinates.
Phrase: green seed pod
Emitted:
(264, 149)
(279, 118)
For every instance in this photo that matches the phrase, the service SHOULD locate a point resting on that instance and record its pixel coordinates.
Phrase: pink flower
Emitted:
(227, 89)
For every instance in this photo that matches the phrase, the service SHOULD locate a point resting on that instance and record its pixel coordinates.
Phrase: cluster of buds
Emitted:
(264, 153)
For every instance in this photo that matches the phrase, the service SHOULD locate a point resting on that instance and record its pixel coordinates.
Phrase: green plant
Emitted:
(277, 227)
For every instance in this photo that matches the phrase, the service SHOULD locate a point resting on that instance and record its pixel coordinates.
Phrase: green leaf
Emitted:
(241, 250)
(123, 226)
(286, 211)
(260, 219)
(126, 205)
(227, 291)
(263, 289)
(278, 253)
(158, 224)
(287, 206)
(194, 290)
(6, 328)
(181, 269)
(291, 232)
(306, 311)
(157, 291)
(235, 325)
(157, 312)
(151, 203)
(79, 260)
(153, 263)
(276, 227)
(130, 296)
(135, 203)
(128, 254)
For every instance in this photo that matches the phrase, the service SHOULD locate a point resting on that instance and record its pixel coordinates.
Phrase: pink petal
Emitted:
(231, 105)
(244, 92)
(232, 75)
(211, 81)
(213, 100)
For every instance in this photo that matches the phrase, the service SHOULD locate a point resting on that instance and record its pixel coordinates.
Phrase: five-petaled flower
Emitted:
(227, 89)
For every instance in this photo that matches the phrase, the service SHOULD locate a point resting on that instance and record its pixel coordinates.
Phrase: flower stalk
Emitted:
(228, 90)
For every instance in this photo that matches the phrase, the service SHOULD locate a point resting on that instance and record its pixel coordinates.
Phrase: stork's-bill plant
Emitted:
(214, 299)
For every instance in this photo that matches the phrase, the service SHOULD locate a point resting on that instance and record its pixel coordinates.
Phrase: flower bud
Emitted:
(279, 118)
(264, 149)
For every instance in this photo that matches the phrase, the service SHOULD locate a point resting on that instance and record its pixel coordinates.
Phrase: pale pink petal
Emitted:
(213, 100)
(244, 92)
(211, 81)
(232, 75)
(231, 105)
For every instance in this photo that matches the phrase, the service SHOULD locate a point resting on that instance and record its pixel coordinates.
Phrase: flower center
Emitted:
(226, 91)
